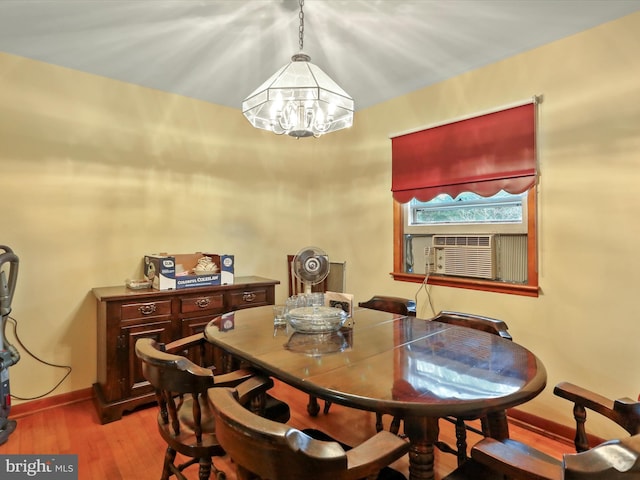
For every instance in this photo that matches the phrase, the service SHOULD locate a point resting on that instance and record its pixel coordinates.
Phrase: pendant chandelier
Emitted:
(299, 99)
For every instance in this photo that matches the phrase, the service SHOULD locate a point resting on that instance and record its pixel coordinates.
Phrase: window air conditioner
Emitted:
(462, 255)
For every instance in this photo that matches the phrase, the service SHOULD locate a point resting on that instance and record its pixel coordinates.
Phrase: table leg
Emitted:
(312, 407)
(423, 434)
(497, 425)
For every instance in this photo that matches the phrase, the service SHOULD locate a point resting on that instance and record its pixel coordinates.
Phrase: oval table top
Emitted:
(388, 363)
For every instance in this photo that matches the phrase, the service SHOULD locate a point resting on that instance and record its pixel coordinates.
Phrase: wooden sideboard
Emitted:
(126, 315)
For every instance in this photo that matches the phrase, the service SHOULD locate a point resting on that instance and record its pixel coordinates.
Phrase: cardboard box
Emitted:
(169, 272)
(339, 300)
(227, 269)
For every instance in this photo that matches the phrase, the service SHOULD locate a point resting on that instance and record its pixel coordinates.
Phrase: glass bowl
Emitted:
(318, 319)
(318, 344)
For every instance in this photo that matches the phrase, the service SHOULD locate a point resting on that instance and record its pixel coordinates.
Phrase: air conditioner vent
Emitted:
(464, 255)
(463, 240)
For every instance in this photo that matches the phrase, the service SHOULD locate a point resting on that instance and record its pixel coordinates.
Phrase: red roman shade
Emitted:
(483, 154)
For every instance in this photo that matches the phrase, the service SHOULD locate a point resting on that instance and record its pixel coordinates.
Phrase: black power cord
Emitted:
(35, 357)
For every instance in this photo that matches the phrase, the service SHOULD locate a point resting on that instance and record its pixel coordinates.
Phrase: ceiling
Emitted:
(221, 50)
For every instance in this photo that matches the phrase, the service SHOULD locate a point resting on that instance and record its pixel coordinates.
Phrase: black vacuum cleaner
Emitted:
(8, 354)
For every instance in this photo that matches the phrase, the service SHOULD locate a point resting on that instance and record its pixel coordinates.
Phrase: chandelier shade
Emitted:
(299, 100)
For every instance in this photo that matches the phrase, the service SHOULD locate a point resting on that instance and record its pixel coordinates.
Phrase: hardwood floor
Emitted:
(131, 449)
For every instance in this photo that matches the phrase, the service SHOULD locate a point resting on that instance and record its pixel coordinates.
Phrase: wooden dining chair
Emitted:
(185, 420)
(509, 459)
(264, 449)
(595, 460)
(624, 411)
(477, 322)
(384, 303)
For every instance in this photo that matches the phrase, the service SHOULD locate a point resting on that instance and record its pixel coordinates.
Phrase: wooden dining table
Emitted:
(415, 369)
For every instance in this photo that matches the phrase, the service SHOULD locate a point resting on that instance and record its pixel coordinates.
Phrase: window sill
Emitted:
(470, 284)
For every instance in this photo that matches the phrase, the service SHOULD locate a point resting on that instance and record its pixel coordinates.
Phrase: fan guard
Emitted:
(311, 266)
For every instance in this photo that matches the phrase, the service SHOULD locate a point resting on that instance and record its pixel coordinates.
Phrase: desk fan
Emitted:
(310, 266)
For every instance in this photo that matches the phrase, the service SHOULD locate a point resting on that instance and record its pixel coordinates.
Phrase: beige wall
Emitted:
(585, 323)
(96, 173)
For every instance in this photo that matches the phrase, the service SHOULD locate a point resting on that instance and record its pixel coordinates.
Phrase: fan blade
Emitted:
(311, 266)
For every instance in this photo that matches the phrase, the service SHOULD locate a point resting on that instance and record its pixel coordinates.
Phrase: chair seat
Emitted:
(276, 410)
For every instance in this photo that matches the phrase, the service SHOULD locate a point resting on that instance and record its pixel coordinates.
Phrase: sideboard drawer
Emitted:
(132, 311)
(213, 302)
(248, 298)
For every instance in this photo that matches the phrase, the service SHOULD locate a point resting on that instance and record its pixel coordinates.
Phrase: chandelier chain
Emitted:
(301, 28)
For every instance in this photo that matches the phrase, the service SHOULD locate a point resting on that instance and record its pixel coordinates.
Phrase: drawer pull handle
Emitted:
(147, 309)
(248, 296)
(203, 302)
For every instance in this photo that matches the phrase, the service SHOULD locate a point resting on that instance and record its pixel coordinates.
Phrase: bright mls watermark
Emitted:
(50, 467)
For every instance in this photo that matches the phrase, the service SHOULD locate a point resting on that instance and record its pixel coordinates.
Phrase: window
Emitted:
(496, 212)
(465, 203)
